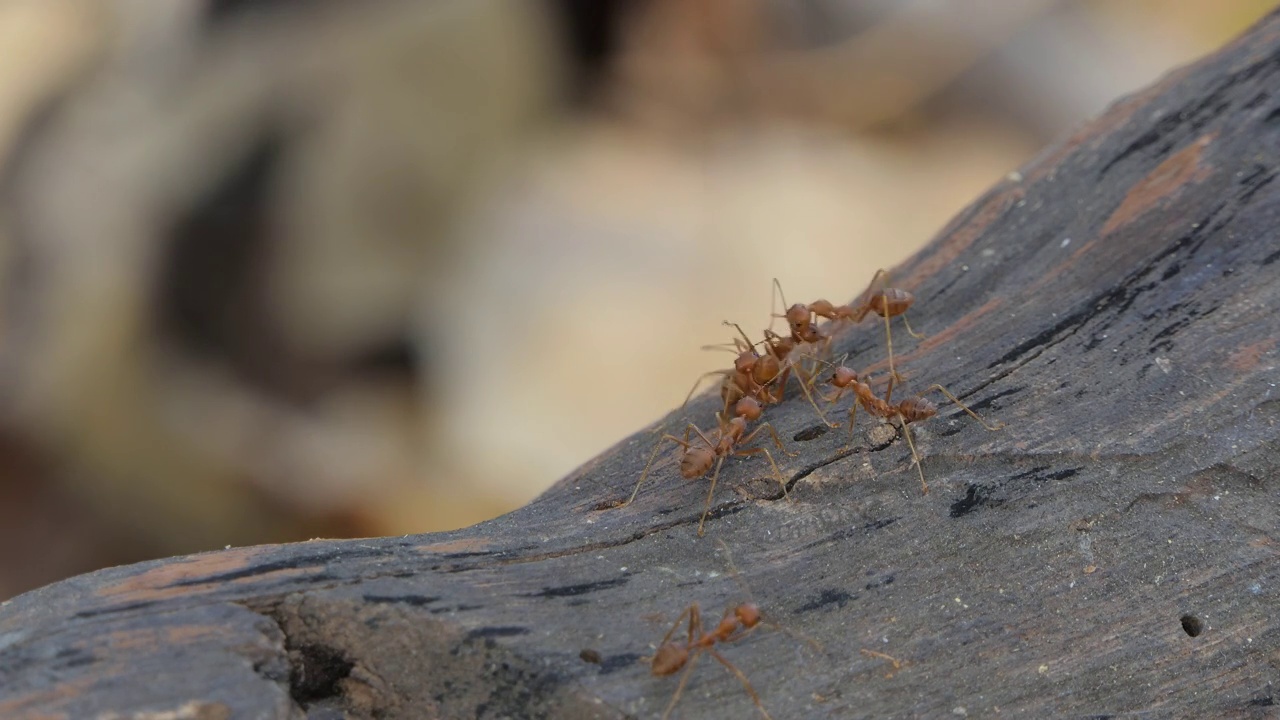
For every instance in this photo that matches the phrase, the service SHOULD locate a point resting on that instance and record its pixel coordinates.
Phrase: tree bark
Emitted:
(1110, 551)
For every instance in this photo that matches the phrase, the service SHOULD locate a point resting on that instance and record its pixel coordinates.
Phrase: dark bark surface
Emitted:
(1111, 551)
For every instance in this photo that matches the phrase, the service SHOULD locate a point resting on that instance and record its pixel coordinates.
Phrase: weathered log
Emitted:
(1111, 551)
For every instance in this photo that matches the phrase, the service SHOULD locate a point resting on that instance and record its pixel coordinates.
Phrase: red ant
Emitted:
(799, 318)
(752, 375)
(698, 459)
(763, 377)
(737, 623)
(886, 302)
(913, 409)
(671, 656)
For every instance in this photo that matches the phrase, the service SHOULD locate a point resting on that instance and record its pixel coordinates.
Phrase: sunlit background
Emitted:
(276, 270)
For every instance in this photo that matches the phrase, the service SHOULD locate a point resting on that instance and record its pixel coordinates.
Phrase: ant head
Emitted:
(669, 658)
(799, 316)
(748, 614)
(810, 333)
(749, 408)
(843, 377)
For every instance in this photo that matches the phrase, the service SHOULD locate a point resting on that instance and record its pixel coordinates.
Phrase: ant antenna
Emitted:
(733, 570)
(895, 662)
(998, 426)
(776, 294)
(915, 456)
(746, 591)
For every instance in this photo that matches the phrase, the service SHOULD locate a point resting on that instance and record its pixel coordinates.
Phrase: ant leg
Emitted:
(698, 383)
(684, 680)
(774, 294)
(645, 474)
(781, 382)
(706, 510)
(965, 408)
(722, 423)
(653, 455)
(912, 333)
(906, 430)
(888, 341)
(853, 417)
(743, 679)
(809, 396)
(777, 474)
(695, 634)
(883, 276)
(897, 664)
(748, 344)
(806, 377)
(776, 440)
(690, 612)
(737, 346)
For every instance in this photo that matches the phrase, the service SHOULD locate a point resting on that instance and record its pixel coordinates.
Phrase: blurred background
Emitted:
(280, 269)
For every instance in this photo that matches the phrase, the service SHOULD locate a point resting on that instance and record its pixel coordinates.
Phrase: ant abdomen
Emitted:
(890, 302)
(915, 409)
(696, 462)
(669, 658)
(748, 614)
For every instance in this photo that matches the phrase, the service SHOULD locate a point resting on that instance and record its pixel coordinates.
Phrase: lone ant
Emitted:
(912, 409)
(671, 656)
(699, 458)
(736, 623)
(887, 302)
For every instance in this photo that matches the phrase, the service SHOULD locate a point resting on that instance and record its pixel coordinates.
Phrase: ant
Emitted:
(913, 409)
(752, 375)
(698, 458)
(887, 302)
(736, 623)
(755, 374)
(800, 320)
(671, 656)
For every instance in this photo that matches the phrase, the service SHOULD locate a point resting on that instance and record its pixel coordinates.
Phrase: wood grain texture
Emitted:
(1114, 303)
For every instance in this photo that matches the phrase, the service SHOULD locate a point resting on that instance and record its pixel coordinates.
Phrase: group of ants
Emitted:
(757, 380)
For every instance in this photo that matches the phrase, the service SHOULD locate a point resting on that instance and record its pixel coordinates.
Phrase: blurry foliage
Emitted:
(283, 269)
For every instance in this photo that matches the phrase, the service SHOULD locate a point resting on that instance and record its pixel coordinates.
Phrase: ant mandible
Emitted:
(774, 367)
(699, 458)
(887, 302)
(912, 409)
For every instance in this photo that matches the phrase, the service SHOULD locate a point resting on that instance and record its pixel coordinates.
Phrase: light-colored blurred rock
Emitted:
(556, 274)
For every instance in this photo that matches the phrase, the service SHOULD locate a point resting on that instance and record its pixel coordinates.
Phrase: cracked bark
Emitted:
(1111, 551)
